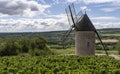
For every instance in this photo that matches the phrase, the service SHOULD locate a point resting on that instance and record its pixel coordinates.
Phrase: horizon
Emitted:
(56, 31)
(49, 15)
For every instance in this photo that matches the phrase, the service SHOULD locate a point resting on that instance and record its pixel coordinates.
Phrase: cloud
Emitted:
(34, 25)
(71, 1)
(106, 22)
(54, 23)
(85, 8)
(21, 7)
(95, 1)
(91, 1)
(98, 1)
(99, 25)
(109, 9)
(105, 18)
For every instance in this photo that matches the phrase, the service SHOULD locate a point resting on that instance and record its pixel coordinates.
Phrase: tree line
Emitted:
(14, 46)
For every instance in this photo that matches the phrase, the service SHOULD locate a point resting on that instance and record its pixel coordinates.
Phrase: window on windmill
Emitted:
(88, 44)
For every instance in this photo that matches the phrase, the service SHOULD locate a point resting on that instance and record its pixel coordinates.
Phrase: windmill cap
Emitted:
(84, 24)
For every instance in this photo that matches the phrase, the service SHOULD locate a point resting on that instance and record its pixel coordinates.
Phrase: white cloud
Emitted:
(99, 25)
(85, 8)
(72, 1)
(105, 18)
(109, 9)
(21, 7)
(98, 1)
(59, 22)
(3, 15)
(93, 1)
(106, 22)
(36, 25)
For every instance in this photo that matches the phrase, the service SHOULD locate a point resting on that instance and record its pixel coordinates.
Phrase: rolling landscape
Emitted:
(59, 60)
(59, 37)
(109, 36)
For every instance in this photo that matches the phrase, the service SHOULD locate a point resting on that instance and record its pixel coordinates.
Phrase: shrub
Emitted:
(24, 44)
(38, 52)
(9, 47)
(34, 46)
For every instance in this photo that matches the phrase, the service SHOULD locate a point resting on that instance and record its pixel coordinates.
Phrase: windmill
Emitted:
(84, 32)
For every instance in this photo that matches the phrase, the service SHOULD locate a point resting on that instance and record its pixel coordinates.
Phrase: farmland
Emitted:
(59, 64)
(55, 59)
(54, 38)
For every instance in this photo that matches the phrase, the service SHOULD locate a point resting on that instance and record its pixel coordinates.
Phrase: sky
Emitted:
(50, 15)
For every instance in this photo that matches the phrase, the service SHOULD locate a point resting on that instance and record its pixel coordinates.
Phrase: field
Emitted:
(59, 65)
(60, 61)
(71, 51)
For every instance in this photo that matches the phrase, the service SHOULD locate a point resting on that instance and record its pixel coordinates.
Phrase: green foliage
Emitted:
(118, 47)
(40, 43)
(9, 47)
(12, 46)
(56, 47)
(59, 65)
(24, 44)
(55, 38)
(38, 52)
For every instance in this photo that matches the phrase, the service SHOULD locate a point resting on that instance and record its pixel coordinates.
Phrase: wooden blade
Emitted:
(101, 42)
(66, 36)
(74, 24)
(68, 17)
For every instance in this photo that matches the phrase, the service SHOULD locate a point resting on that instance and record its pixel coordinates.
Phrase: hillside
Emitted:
(55, 37)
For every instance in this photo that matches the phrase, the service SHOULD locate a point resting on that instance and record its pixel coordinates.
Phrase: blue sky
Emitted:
(49, 15)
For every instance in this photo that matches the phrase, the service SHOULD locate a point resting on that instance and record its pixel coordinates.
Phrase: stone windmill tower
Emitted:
(84, 32)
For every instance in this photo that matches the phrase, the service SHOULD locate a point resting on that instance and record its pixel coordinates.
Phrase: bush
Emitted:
(9, 47)
(39, 43)
(24, 44)
(34, 46)
(38, 52)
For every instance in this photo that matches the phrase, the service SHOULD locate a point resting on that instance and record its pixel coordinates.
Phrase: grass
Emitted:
(109, 52)
(64, 51)
(72, 51)
(110, 34)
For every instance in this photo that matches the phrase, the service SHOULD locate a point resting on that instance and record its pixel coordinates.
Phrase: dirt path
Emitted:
(117, 57)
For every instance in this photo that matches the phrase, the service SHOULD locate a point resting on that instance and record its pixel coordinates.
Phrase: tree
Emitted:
(40, 43)
(9, 47)
(24, 44)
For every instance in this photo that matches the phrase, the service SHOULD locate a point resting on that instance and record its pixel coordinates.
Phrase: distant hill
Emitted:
(55, 33)
(55, 37)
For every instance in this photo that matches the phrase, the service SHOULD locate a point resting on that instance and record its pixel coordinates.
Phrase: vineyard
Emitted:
(59, 65)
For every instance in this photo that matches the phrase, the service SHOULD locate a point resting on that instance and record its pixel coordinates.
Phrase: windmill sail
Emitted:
(68, 32)
(69, 17)
(71, 14)
(101, 42)
(66, 36)
(72, 19)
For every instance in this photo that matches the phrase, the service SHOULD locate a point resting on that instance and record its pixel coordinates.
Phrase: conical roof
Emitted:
(84, 24)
